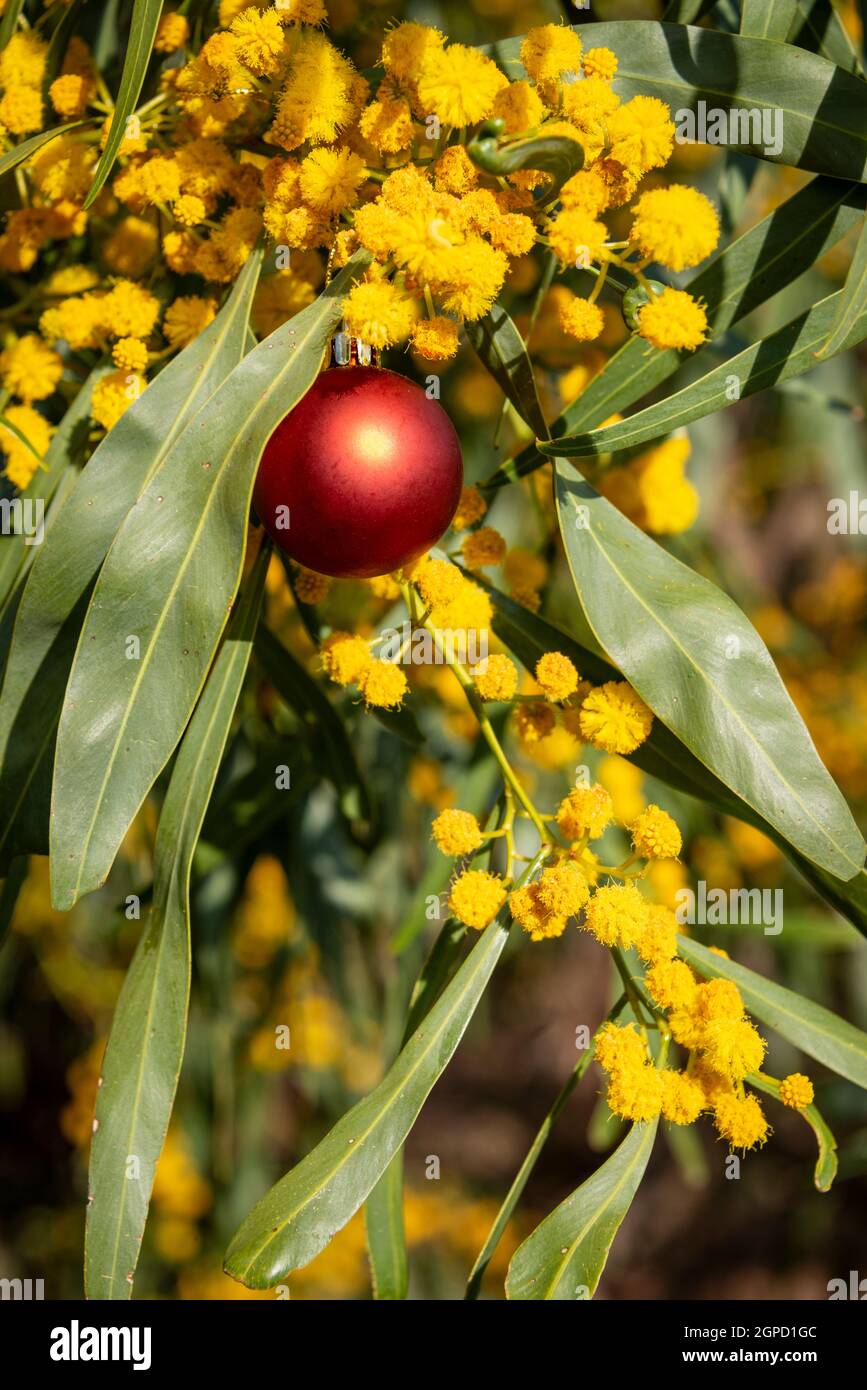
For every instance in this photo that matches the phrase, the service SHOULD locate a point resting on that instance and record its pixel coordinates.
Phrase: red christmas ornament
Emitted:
(363, 476)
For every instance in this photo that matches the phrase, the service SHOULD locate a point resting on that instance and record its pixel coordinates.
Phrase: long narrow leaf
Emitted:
(662, 755)
(810, 1027)
(143, 1059)
(767, 19)
(66, 565)
(298, 1217)
(143, 28)
(822, 106)
(564, 1257)
(172, 570)
(697, 661)
(788, 353)
(504, 353)
(852, 306)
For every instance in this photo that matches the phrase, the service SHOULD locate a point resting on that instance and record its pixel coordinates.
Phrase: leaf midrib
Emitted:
(788, 1013)
(144, 664)
(600, 1211)
(207, 362)
(685, 415)
(751, 739)
(179, 875)
(497, 939)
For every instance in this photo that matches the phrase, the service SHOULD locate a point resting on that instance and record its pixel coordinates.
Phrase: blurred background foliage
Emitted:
(296, 909)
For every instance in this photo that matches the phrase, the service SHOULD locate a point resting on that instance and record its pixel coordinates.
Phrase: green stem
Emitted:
(504, 1215)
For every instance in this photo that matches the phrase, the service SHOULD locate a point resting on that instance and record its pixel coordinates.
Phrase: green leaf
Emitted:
(169, 579)
(386, 1241)
(788, 353)
(822, 106)
(826, 1164)
(852, 307)
(304, 696)
(522, 1177)
(504, 353)
(55, 598)
(139, 46)
(739, 279)
(66, 445)
(814, 1029)
(12, 158)
(11, 11)
(564, 1257)
(818, 27)
(298, 1217)
(146, 1046)
(700, 665)
(767, 19)
(662, 755)
(556, 155)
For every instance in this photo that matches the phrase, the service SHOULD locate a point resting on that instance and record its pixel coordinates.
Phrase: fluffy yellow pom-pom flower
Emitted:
(330, 179)
(476, 898)
(556, 676)
(614, 718)
(534, 722)
(383, 685)
(673, 319)
(345, 658)
(585, 811)
(677, 226)
(616, 915)
(130, 354)
(619, 1045)
(682, 1098)
(535, 917)
(550, 50)
(30, 369)
(378, 313)
(436, 339)
(114, 394)
(741, 1122)
(599, 62)
(173, 31)
(563, 889)
(658, 940)
(456, 832)
(635, 1093)
(733, 1047)
(655, 835)
(796, 1090)
(471, 508)
(496, 678)
(21, 462)
(483, 547)
(582, 320)
(577, 237)
(459, 85)
(671, 984)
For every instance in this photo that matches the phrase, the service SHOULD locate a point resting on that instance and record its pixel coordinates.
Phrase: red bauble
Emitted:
(366, 469)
